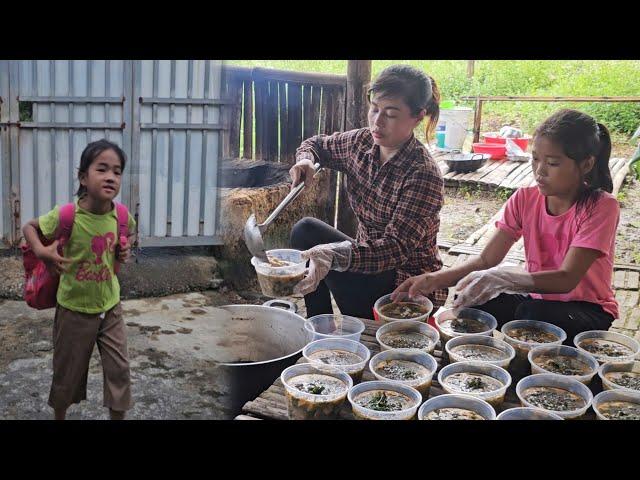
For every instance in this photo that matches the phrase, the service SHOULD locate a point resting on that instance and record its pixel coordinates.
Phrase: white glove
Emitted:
(322, 258)
(479, 287)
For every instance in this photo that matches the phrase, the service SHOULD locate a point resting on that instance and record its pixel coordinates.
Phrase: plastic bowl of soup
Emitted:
(405, 307)
(407, 334)
(314, 392)
(620, 376)
(482, 380)
(524, 335)
(334, 326)
(347, 355)
(607, 346)
(456, 407)
(384, 400)
(411, 367)
(564, 396)
(563, 360)
(617, 405)
(527, 413)
(479, 348)
(468, 321)
(281, 273)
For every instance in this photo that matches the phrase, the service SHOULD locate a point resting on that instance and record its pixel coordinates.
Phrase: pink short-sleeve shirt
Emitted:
(547, 240)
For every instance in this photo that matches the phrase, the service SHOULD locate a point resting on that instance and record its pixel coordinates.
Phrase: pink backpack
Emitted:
(40, 286)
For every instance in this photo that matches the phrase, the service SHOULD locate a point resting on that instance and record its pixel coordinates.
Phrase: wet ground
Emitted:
(173, 350)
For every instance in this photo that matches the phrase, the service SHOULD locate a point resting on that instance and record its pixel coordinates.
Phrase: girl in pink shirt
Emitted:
(568, 223)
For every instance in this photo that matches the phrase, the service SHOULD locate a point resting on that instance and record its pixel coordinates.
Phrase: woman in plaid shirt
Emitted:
(395, 189)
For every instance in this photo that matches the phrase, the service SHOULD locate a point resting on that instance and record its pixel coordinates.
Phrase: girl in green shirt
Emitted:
(88, 307)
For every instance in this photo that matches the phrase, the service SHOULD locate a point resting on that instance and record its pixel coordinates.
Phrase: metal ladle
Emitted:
(253, 231)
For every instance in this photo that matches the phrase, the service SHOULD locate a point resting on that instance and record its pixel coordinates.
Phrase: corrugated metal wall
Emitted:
(5, 172)
(74, 103)
(164, 114)
(179, 130)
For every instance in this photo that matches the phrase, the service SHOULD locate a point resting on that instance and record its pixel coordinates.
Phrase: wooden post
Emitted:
(470, 68)
(358, 78)
(477, 120)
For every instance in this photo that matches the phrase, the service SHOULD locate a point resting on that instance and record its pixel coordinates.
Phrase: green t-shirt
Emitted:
(90, 285)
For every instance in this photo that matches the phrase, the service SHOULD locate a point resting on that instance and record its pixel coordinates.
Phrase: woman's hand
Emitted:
(322, 258)
(302, 171)
(424, 284)
(55, 262)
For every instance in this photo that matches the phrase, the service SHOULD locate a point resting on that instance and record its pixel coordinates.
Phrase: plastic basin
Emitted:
(496, 150)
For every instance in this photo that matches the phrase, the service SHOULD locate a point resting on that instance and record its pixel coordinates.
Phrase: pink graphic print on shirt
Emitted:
(97, 271)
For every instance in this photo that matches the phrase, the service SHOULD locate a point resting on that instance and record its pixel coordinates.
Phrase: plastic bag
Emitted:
(515, 153)
(510, 132)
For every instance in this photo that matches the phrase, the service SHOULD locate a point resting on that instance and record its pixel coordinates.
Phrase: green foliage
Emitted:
(504, 193)
(516, 77)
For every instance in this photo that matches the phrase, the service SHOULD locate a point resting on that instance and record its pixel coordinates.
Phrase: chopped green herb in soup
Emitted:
(335, 357)
(562, 365)
(624, 379)
(482, 353)
(402, 370)
(472, 382)
(532, 335)
(403, 310)
(406, 339)
(453, 414)
(620, 410)
(318, 384)
(329, 393)
(606, 348)
(463, 325)
(552, 398)
(383, 400)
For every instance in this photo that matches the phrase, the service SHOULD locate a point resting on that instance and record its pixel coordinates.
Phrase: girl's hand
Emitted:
(55, 262)
(424, 284)
(479, 287)
(125, 250)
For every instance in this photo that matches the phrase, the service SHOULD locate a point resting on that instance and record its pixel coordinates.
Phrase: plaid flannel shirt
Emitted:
(397, 204)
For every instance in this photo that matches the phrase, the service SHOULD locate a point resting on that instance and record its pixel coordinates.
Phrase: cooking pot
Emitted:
(263, 341)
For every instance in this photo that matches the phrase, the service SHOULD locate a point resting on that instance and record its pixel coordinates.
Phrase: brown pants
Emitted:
(74, 335)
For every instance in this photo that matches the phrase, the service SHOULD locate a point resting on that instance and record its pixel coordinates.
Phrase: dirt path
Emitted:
(628, 236)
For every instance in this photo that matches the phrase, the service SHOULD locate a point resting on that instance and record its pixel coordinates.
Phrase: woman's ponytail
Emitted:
(432, 109)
